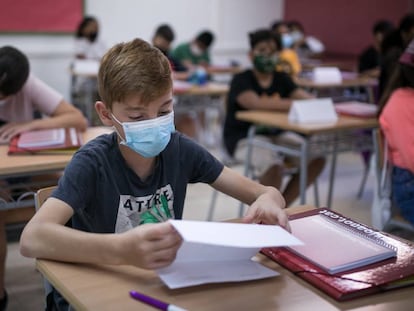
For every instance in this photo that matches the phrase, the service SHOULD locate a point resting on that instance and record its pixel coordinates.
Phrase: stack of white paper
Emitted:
(221, 252)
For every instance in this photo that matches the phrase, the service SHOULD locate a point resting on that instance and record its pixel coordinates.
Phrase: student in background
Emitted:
(87, 42)
(195, 53)
(289, 61)
(89, 48)
(21, 95)
(119, 189)
(305, 45)
(393, 46)
(263, 88)
(369, 59)
(396, 116)
(162, 39)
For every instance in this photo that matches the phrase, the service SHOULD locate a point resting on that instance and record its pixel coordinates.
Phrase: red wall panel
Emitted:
(40, 15)
(344, 26)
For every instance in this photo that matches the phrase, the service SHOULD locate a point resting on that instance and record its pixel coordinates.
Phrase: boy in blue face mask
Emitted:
(136, 175)
(263, 88)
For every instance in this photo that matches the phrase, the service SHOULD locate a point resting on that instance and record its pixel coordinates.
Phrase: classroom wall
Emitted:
(122, 20)
(345, 25)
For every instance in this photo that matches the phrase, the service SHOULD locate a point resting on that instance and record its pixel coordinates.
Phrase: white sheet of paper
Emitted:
(215, 252)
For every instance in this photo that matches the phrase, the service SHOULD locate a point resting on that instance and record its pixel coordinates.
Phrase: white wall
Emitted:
(122, 20)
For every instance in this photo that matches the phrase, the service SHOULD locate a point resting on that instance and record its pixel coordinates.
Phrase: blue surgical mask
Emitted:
(149, 137)
(287, 40)
(296, 36)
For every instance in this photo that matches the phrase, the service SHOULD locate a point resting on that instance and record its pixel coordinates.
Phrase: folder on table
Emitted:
(395, 269)
(50, 141)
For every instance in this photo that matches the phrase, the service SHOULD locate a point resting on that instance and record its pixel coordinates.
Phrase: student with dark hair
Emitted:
(369, 59)
(120, 189)
(287, 55)
(263, 88)
(396, 116)
(196, 52)
(304, 44)
(162, 39)
(21, 94)
(392, 47)
(87, 42)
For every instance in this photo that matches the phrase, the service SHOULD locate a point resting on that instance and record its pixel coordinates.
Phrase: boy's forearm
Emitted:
(56, 242)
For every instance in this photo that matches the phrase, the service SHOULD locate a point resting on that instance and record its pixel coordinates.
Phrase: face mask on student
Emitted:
(296, 36)
(92, 36)
(264, 64)
(196, 50)
(149, 137)
(287, 40)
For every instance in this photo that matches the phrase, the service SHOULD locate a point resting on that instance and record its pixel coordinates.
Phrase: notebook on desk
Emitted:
(350, 280)
(50, 141)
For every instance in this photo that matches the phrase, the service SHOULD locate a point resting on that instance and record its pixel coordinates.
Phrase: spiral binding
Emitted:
(365, 236)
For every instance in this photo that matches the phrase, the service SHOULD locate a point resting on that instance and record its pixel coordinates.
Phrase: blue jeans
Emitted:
(403, 192)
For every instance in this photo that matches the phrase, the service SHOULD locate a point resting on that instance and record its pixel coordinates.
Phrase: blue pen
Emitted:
(154, 302)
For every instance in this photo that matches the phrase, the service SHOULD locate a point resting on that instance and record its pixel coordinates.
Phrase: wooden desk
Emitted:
(208, 89)
(27, 165)
(279, 120)
(198, 101)
(17, 165)
(102, 287)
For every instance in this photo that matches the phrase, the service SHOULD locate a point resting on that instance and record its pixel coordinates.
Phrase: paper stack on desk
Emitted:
(215, 252)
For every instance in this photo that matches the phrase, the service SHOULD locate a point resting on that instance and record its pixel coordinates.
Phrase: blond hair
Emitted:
(133, 68)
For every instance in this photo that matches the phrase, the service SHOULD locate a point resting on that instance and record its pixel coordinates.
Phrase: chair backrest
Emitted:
(41, 195)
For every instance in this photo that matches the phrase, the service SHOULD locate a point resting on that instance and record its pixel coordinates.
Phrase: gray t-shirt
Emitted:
(107, 196)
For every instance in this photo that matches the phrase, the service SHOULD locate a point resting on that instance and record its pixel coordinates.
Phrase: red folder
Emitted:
(385, 275)
(50, 141)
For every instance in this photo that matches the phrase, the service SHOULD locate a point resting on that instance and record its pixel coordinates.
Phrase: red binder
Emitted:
(50, 141)
(382, 276)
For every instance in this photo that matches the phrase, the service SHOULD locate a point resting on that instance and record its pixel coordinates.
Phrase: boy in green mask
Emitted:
(262, 88)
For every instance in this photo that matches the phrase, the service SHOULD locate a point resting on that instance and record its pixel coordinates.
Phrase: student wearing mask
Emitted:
(195, 53)
(88, 48)
(289, 61)
(87, 42)
(120, 189)
(305, 45)
(21, 95)
(263, 88)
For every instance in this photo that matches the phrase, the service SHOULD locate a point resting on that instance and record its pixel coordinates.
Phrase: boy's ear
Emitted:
(103, 113)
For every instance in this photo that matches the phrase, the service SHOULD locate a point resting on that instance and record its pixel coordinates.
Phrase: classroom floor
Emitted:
(24, 283)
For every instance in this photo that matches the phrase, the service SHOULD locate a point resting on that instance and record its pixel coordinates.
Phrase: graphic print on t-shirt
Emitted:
(133, 211)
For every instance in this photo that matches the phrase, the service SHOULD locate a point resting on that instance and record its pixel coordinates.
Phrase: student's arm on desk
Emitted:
(149, 246)
(65, 115)
(250, 100)
(266, 203)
